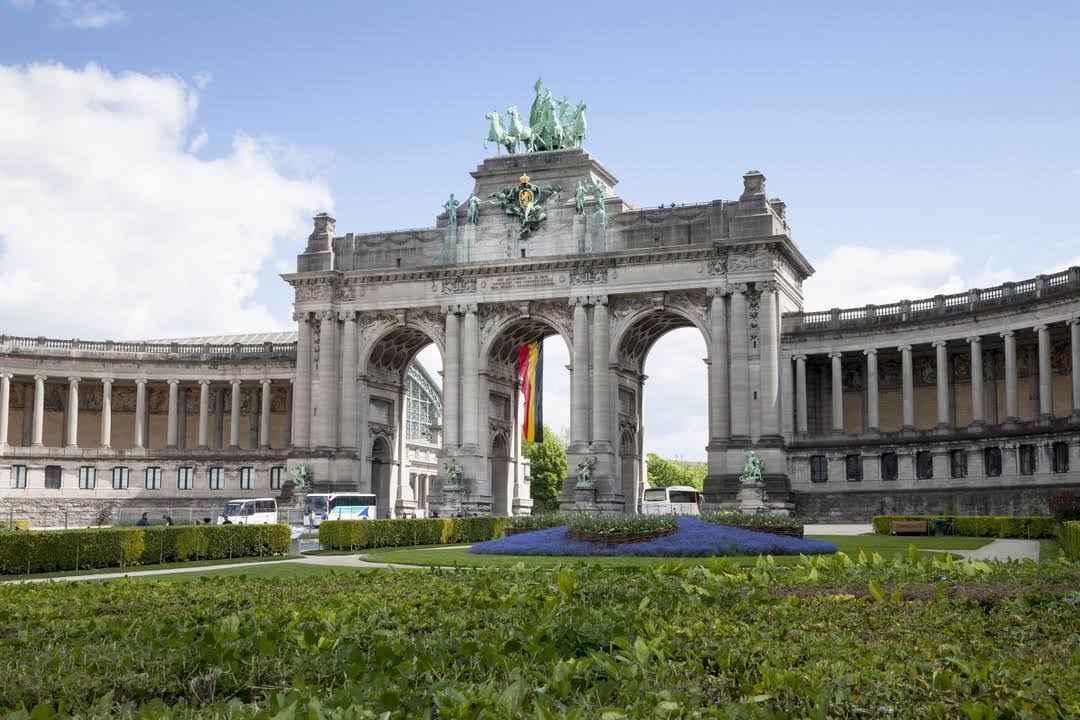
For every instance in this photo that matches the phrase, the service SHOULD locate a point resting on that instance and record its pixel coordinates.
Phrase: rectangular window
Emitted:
(18, 476)
(185, 478)
(52, 477)
(854, 468)
(992, 461)
(1060, 452)
(958, 463)
(819, 469)
(1027, 460)
(87, 477)
(276, 473)
(889, 466)
(215, 478)
(924, 465)
(153, 478)
(119, 478)
(246, 476)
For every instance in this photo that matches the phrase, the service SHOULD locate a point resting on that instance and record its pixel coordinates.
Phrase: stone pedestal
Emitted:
(585, 500)
(752, 498)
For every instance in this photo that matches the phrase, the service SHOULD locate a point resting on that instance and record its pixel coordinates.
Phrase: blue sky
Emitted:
(920, 147)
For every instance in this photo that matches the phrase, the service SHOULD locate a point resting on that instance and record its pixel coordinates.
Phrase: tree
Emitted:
(548, 462)
(665, 473)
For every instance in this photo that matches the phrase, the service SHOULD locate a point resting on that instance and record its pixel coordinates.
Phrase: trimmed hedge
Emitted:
(19, 525)
(362, 534)
(1069, 537)
(59, 550)
(1022, 526)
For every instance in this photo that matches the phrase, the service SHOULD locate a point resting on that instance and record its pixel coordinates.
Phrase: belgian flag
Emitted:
(530, 370)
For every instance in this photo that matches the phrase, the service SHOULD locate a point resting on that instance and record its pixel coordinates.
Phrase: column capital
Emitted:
(458, 308)
(301, 316)
(6, 376)
(580, 301)
(1008, 333)
(869, 351)
(173, 381)
(836, 354)
(598, 299)
(74, 379)
(801, 357)
(140, 380)
(347, 315)
(767, 286)
(1073, 321)
(205, 382)
(326, 315)
(107, 381)
(1040, 328)
(741, 288)
(974, 339)
(718, 291)
(41, 378)
(939, 343)
(265, 381)
(904, 348)
(234, 383)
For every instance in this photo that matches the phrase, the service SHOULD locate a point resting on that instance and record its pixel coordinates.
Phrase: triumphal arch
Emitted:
(542, 246)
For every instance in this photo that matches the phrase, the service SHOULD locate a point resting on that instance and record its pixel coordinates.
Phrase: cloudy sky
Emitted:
(160, 161)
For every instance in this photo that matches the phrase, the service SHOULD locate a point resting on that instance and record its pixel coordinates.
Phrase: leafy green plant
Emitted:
(537, 520)
(1065, 506)
(747, 519)
(666, 473)
(547, 468)
(600, 523)
(1069, 538)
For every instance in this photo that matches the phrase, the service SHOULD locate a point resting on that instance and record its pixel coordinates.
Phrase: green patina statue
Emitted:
(584, 472)
(553, 125)
(301, 475)
(579, 198)
(451, 207)
(454, 475)
(472, 209)
(527, 202)
(752, 470)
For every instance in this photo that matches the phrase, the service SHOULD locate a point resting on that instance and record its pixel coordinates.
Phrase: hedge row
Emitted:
(360, 534)
(59, 550)
(1069, 537)
(1023, 526)
(19, 524)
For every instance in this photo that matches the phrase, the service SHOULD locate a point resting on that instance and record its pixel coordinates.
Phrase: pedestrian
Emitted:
(168, 520)
(434, 513)
(144, 520)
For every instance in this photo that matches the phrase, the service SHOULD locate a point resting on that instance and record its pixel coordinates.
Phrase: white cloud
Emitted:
(856, 275)
(86, 14)
(201, 79)
(110, 228)
(198, 142)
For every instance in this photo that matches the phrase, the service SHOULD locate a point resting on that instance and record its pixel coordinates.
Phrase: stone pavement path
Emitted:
(1003, 550)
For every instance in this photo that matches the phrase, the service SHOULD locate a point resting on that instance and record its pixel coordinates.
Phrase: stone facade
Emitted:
(969, 400)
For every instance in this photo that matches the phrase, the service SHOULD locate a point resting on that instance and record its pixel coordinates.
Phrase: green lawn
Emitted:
(276, 570)
(851, 544)
(135, 569)
(1049, 549)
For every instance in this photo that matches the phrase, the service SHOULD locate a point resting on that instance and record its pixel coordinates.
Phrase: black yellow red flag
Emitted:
(530, 370)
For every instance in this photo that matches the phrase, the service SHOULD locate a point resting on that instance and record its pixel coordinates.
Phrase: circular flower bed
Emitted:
(692, 538)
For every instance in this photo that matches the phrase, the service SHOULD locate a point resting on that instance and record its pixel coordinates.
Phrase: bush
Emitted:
(1022, 526)
(17, 525)
(1065, 506)
(749, 519)
(1069, 537)
(72, 550)
(597, 523)
(363, 534)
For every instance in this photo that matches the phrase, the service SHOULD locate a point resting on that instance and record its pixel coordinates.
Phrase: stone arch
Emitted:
(630, 469)
(499, 472)
(509, 331)
(390, 346)
(637, 331)
(382, 458)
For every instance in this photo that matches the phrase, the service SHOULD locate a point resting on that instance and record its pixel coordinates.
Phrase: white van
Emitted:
(337, 506)
(674, 500)
(257, 511)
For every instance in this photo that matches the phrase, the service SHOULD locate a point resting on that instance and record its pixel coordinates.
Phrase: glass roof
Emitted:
(281, 336)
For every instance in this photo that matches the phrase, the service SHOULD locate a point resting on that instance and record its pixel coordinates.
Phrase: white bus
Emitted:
(674, 500)
(337, 506)
(256, 511)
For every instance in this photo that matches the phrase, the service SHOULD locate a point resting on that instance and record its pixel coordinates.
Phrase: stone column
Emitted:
(718, 368)
(1046, 405)
(326, 408)
(73, 412)
(5, 398)
(264, 415)
(39, 409)
(873, 408)
(204, 414)
(234, 417)
(452, 380)
(601, 375)
(837, 419)
(140, 413)
(301, 408)
(942, 373)
(106, 412)
(1012, 397)
(287, 429)
(181, 417)
(908, 387)
(739, 370)
(977, 415)
(470, 393)
(579, 380)
(787, 398)
(770, 361)
(1074, 336)
(174, 389)
(801, 426)
(28, 417)
(349, 359)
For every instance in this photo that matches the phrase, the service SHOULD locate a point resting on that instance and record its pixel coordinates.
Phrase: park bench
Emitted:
(909, 527)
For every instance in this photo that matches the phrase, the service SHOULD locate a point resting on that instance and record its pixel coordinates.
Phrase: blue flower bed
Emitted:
(694, 538)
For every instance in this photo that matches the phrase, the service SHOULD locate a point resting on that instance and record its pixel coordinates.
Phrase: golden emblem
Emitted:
(525, 194)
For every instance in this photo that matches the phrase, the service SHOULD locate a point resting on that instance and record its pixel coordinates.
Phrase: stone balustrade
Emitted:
(162, 350)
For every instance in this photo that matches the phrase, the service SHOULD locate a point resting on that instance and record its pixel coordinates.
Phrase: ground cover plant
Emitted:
(836, 636)
(693, 538)
(617, 523)
(737, 517)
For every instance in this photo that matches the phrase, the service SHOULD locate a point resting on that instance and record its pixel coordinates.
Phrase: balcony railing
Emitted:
(1063, 283)
(167, 351)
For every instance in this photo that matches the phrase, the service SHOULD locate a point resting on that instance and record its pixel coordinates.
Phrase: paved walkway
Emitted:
(839, 529)
(1003, 550)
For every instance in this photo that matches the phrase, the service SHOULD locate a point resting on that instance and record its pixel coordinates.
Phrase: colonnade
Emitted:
(945, 421)
(176, 426)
